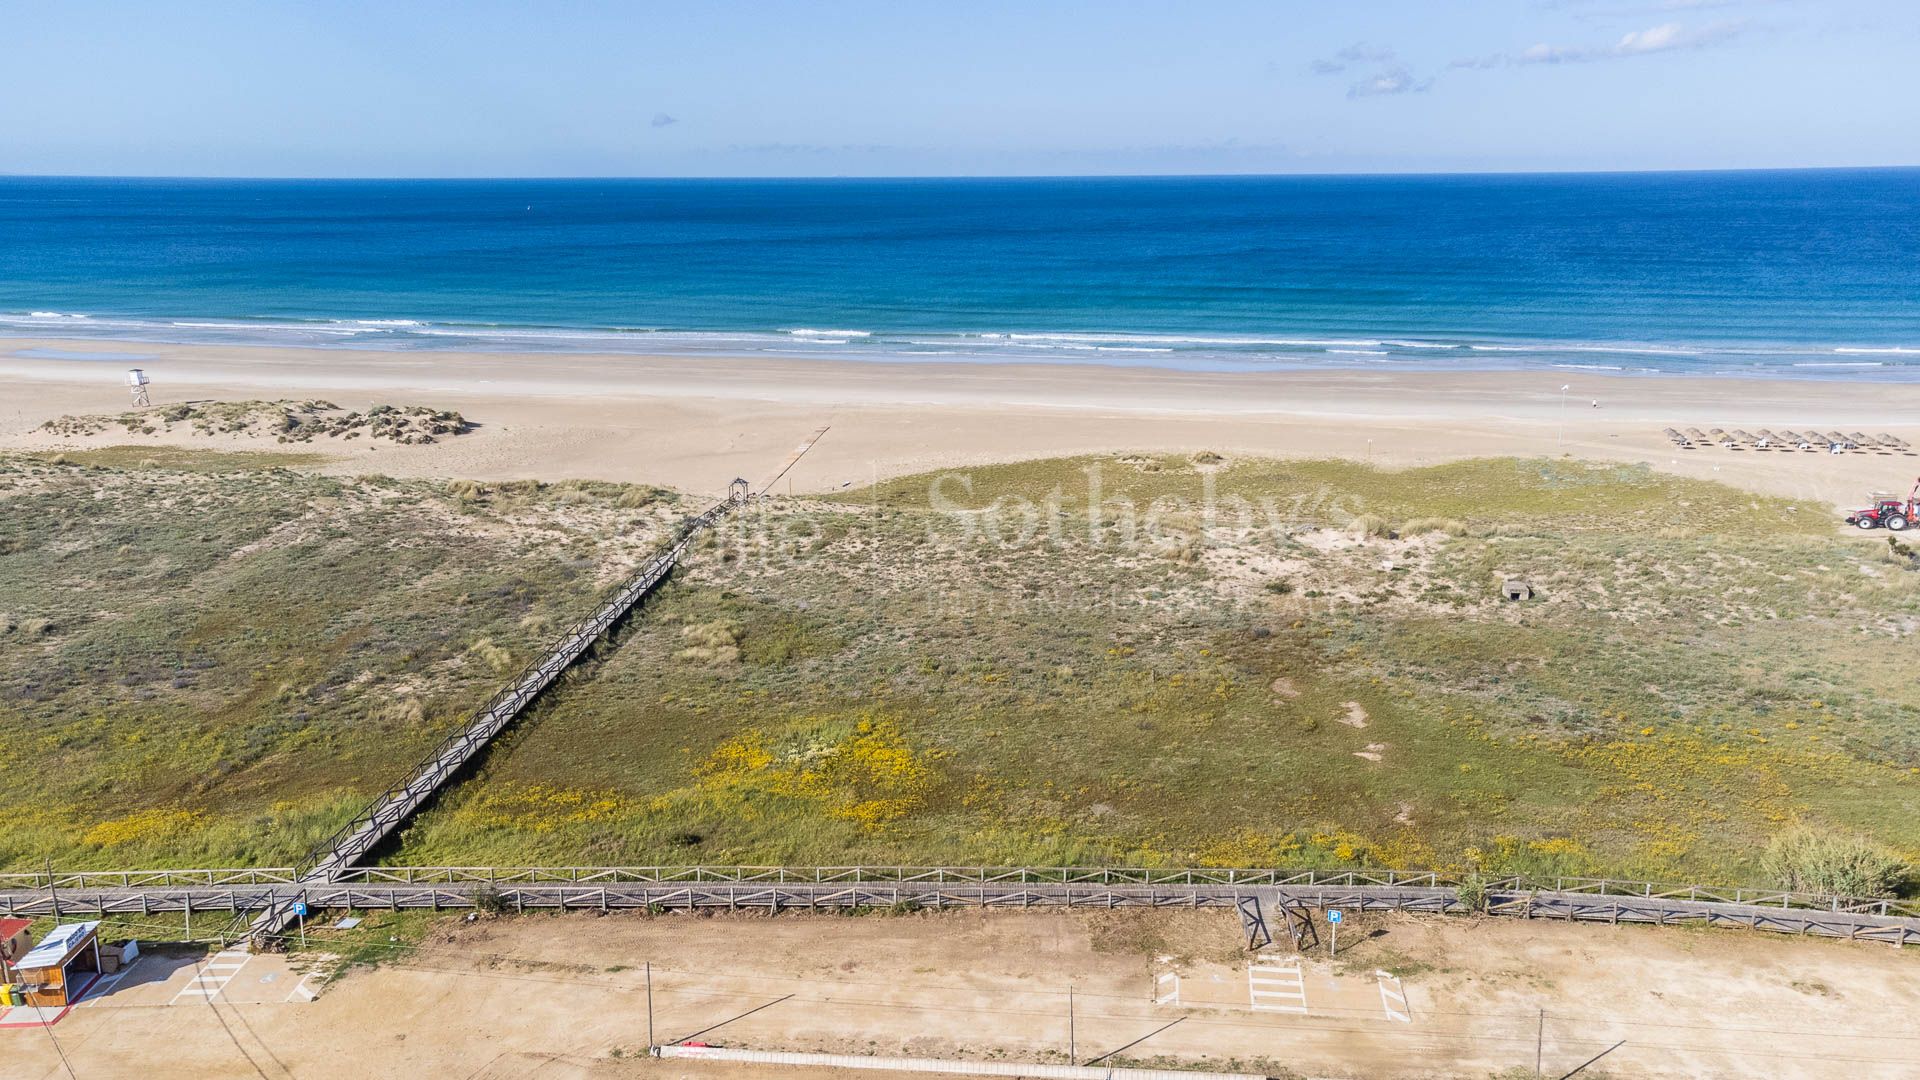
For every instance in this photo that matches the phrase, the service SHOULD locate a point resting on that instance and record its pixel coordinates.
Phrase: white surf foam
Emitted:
(1183, 339)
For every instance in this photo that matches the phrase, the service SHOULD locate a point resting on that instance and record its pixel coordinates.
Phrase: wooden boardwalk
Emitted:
(266, 893)
(392, 807)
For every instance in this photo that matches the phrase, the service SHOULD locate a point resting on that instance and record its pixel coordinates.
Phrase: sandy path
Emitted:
(695, 423)
(566, 997)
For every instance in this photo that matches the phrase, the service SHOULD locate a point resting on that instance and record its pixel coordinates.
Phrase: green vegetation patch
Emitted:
(1149, 660)
(214, 660)
(284, 421)
(1210, 663)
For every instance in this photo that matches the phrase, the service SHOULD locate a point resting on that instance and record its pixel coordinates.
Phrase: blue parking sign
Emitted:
(1333, 916)
(300, 908)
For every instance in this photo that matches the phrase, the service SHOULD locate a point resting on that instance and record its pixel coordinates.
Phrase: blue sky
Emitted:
(560, 88)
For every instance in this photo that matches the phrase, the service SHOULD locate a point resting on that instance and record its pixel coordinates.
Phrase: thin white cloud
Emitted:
(1393, 80)
(661, 119)
(1362, 53)
(1391, 76)
(1667, 37)
(1357, 54)
(1493, 60)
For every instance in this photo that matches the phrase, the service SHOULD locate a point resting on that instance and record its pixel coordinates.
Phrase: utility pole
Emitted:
(1073, 1049)
(650, 1047)
(53, 894)
(1539, 1043)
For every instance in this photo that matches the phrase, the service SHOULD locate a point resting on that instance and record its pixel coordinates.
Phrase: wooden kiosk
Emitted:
(57, 969)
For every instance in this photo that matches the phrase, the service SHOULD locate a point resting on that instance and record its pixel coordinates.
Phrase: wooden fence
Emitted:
(775, 890)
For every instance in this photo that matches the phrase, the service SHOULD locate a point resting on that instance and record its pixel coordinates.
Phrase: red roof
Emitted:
(10, 927)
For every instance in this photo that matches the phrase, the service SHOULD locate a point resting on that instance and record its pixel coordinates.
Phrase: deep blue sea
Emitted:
(1813, 273)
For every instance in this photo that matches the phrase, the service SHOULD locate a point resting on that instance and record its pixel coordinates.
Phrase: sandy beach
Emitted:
(694, 423)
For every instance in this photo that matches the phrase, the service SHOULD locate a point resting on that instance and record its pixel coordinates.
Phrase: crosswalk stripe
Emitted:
(1393, 998)
(1276, 988)
(213, 976)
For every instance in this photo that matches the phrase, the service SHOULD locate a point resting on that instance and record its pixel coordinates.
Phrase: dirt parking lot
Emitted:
(567, 996)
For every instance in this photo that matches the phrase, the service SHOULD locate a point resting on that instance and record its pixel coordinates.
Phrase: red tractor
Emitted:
(1888, 511)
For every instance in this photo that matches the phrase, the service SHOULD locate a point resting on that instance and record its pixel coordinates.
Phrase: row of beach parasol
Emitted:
(1832, 442)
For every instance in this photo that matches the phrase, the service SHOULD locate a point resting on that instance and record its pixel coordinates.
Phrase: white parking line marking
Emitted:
(1393, 997)
(1276, 987)
(303, 992)
(1166, 989)
(214, 977)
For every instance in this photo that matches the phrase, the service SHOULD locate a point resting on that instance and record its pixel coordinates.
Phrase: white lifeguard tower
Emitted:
(137, 383)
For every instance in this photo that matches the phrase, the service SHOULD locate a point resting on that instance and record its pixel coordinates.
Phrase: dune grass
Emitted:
(975, 668)
(212, 658)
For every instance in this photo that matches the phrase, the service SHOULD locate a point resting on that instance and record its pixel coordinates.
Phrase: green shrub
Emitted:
(1806, 859)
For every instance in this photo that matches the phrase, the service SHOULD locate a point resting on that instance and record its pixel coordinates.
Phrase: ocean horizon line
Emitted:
(1335, 174)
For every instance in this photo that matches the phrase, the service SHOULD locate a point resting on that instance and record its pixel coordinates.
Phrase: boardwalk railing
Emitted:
(820, 880)
(394, 805)
(145, 879)
(923, 875)
(708, 889)
(1001, 875)
(1781, 898)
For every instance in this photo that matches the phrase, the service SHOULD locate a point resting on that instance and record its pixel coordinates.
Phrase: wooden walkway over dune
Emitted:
(392, 807)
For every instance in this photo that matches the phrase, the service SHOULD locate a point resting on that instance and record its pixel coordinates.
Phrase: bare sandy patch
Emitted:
(568, 996)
